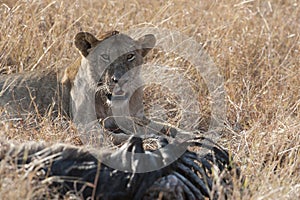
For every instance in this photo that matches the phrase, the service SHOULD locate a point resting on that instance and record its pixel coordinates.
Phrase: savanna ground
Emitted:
(255, 44)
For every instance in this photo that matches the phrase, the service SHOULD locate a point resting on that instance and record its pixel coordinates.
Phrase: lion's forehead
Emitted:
(116, 46)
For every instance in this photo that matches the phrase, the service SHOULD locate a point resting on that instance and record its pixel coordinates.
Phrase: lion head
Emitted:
(109, 68)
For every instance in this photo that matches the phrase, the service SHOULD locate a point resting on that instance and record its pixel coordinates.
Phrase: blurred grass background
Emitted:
(254, 43)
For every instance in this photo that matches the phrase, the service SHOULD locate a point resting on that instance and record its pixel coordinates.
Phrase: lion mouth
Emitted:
(117, 95)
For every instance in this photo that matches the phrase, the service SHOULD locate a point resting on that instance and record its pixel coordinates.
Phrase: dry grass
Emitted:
(255, 44)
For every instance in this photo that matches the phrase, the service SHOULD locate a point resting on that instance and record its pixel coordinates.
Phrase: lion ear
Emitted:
(147, 42)
(84, 42)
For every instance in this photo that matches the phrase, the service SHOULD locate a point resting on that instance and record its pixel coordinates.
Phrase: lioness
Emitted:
(106, 85)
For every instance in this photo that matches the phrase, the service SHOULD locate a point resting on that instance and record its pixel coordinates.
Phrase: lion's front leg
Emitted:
(155, 127)
(143, 127)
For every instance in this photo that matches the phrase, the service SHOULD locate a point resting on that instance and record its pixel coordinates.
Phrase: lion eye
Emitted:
(105, 57)
(130, 57)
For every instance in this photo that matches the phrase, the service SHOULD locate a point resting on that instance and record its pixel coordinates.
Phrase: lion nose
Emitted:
(114, 79)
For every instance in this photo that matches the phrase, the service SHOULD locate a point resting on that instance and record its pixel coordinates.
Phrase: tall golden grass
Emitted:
(254, 43)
